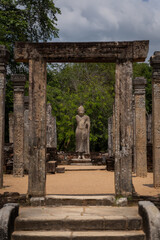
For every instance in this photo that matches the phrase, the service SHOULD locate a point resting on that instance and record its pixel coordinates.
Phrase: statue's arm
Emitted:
(77, 119)
(88, 123)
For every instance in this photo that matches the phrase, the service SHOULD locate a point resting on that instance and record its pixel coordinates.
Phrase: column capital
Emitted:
(139, 84)
(155, 63)
(18, 82)
(26, 102)
(155, 60)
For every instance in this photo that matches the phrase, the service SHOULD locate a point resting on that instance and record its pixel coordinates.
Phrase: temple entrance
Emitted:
(121, 53)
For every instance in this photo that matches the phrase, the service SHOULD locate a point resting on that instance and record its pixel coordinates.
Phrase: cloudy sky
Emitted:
(110, 20)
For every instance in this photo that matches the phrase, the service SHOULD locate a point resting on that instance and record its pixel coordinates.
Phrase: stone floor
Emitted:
(80, 182)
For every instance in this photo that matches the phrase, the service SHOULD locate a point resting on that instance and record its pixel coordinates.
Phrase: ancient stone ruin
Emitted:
(121, 53)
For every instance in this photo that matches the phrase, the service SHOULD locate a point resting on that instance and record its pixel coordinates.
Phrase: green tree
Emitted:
(41, 19)
(92, 85)
(22, 20)
(69, 86)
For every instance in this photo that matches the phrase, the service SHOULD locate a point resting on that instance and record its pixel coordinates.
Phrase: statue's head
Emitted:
(81, 111)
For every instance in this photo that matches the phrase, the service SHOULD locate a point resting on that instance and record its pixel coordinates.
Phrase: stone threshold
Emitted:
(77, 200)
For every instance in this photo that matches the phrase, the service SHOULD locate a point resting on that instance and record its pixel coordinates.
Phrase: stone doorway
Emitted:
(121, 53)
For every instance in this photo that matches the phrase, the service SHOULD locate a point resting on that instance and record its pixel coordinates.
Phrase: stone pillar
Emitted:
(11, 125)
(110, 147)
(123, 128)
(3, 60)
(134, 137)
(18, 146)
(37, 127)
(113, 131)
(140, 127)
(155, 63)
(149, 129)
(51, 133)
(26, 134)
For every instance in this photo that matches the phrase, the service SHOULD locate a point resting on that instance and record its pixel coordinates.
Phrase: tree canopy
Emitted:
(22, 20)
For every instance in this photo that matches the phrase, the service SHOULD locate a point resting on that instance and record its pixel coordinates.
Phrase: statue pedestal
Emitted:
(81, 162)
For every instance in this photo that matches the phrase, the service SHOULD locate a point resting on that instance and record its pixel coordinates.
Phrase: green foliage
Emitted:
(41, 19)
(22, 20)
(12, 24)
(69, 86)
(145, 70)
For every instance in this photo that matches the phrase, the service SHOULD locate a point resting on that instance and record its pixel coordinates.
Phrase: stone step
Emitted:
(81, 162)
(90, 235)
(78, 219)
(76, 200)
(84, 168)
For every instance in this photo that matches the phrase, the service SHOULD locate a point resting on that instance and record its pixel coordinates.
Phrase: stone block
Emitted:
(122, 202)
(51, 166)
(37, 201)
(151, 219)
(7, 217)
(60, 170)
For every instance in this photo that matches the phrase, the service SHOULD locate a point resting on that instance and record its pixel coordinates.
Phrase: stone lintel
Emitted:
(135, 51)
(26, 102)
(139, 84)
(18, 81)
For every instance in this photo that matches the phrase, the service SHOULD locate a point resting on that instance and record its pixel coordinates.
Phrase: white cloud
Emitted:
(110, 20)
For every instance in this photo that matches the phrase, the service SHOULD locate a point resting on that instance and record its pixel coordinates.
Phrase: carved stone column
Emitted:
(110, 144)
(11, 127)
(134, 137)
(123, 128)
(113, 131)
(26, 133)
(51, 133)
(149, 129)
(37, 127)
(155, 63)
(18, 146)
(140, 127)
(3, 60)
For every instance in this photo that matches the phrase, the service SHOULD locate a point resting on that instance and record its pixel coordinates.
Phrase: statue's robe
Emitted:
(82, 134)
